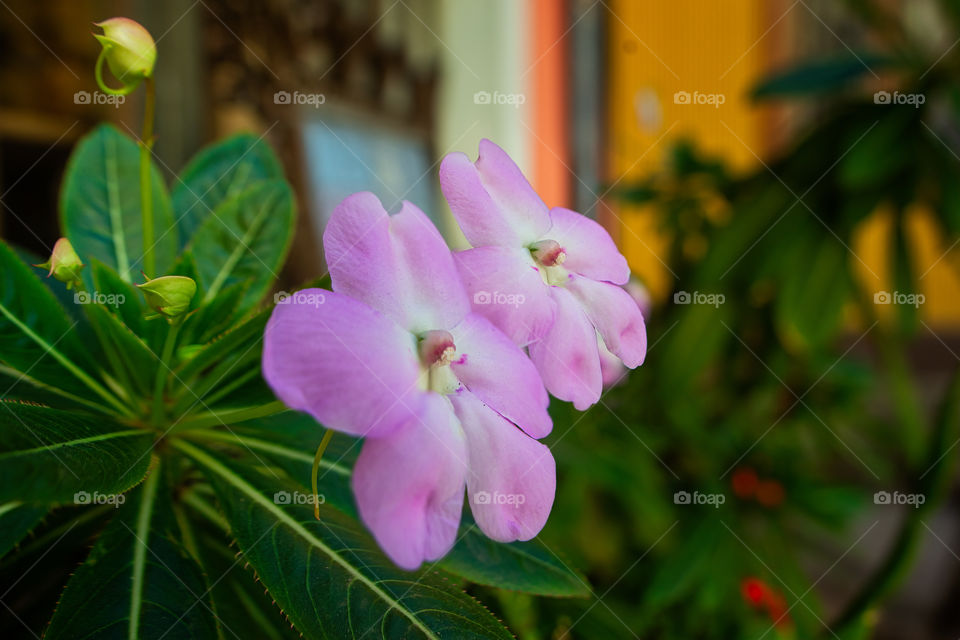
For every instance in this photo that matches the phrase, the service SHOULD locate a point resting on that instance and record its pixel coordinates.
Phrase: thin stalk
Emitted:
(316, 468)
(162, 370)
(146, 199)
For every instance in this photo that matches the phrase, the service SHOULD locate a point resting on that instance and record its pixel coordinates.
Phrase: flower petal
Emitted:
(491, 199)
(501, 375)
(616, 316)
(590, 251)
(512, 479)
(399, 264)
(612, 370)
(409, 486)
(506, 288)
(567, 357)
(350, 367)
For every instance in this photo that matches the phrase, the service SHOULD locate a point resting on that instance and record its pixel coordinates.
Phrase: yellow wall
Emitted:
(656, 50)
(660, 48)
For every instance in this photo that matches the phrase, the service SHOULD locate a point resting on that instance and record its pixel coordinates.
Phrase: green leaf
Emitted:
(238, 599)
(529, 567)
(245, 240)
(817, 76)
(327, 575)
(48, 455)
(239, 341)
(809, 309)
(16, 521)
(100, 204)
(215, 316)
(138, 581)
(216, 174)
(123, 297)
(36, 337)
(129, 355)
(289, 439)
(869, 162)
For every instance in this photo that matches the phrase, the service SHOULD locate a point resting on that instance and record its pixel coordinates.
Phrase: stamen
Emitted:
(437, 348)
(548, 253)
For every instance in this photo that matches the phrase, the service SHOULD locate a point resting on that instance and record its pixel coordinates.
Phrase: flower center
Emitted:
(549, 257)
(548, 253)
(437, 348)
(437, 351)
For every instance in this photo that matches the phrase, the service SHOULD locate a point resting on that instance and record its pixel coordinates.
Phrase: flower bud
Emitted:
(64, 264)
(169, 295)
(129, 51)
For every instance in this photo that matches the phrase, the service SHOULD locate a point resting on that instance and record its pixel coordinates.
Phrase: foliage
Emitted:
(151, 438)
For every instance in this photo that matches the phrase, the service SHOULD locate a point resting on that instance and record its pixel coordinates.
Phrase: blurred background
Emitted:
(784, 178)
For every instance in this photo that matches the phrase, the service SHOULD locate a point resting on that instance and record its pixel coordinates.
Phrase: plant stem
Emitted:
(162, 370)
(146, 199)
(316, 467)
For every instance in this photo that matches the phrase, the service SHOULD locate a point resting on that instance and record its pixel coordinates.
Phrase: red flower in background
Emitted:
(762, 596)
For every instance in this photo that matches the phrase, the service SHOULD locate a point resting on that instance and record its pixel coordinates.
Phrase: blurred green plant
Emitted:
(783, 390)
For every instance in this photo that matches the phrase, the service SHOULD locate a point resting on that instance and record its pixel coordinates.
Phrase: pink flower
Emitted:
(394, 354)
(563, 266)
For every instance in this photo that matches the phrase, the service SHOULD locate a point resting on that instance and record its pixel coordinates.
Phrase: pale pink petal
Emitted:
(409, 486)
(506, 288)
(501, 375)
(399, 264)
(590, 251)
(492, 200)
(612, 370)
(567, 357)
(350, 367)
(616, 316)
(512, 477)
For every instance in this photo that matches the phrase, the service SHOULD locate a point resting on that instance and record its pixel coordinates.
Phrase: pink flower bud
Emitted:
(128, 48)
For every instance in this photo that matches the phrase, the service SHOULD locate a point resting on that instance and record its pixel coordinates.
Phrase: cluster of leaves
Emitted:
(144, 457)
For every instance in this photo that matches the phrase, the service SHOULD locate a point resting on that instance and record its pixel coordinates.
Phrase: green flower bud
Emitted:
(64, 264)
(169, 295)
(129, 51)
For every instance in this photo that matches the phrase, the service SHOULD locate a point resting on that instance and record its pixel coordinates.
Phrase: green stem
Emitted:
(146, 200)
(933, 484)
(162, 370)
(98, 75)
(316, 468)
